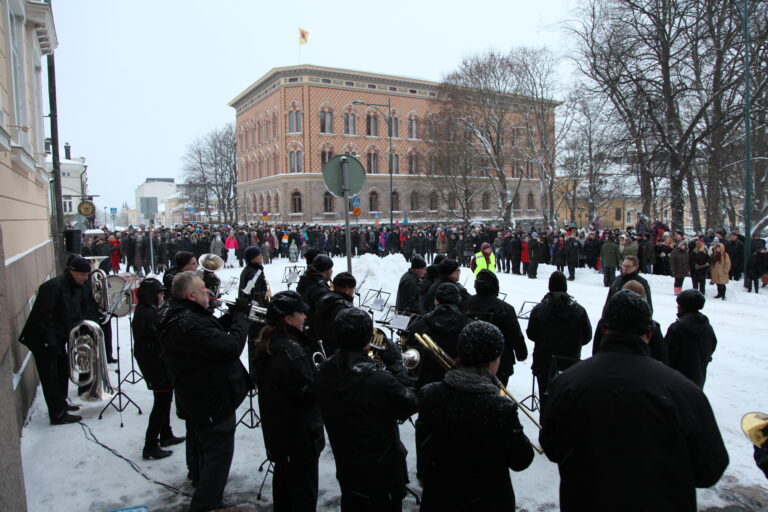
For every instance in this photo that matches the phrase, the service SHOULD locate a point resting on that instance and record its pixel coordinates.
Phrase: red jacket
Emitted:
(524, 253)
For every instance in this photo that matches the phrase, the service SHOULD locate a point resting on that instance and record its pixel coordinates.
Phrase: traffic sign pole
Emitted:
(345, 192)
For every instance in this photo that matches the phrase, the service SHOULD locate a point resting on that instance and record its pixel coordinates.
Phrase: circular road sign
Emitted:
(356, 212)
(332, 175)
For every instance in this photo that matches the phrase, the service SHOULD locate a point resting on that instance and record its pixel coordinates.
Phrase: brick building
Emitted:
(293, 119)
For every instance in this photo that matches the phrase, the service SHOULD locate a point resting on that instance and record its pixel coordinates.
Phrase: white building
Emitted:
(74, 182)
(159, 188)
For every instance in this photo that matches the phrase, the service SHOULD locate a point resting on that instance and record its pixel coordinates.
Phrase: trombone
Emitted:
(448, 364)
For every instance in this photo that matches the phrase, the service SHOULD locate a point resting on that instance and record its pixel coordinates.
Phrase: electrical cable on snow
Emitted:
(89, 435)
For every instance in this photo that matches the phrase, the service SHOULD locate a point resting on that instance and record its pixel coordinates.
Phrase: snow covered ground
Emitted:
(64, 470)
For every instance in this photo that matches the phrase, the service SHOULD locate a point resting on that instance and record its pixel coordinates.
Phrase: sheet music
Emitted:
(400, 322)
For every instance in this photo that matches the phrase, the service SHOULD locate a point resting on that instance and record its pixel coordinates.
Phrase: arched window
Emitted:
(431, 129)
(451, 201)
(394, 127)
(415, 201)
(350, 123)
(267, 131)
(433, 200)
(261, 204)
(395, 163)
(516, 201)
(296, 202)
(395, 200)
(296, 163)
(372, 124)
(531, 201)
(260, 137)
(276, 203)
(413, 127)
(486, 201)
(413, 163)
(326, 155)
(274, 126)
(326, 121)
(373, 162)
(294, 121)
(431, 165)
(268, 203)
(276, 164)
(328, 201)
(373, 201)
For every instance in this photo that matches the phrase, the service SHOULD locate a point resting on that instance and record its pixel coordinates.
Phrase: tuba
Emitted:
(99, 287)
(88, 354)
(411, 356)
(211, 263)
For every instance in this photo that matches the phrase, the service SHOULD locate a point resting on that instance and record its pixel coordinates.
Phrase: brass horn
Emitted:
(88, 354)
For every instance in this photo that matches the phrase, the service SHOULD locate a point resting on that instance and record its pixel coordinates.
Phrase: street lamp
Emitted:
(389, 135)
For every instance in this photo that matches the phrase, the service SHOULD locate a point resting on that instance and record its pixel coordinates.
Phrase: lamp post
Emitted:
(389, 135)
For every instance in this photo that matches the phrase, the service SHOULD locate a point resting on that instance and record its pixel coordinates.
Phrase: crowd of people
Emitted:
(639, 397)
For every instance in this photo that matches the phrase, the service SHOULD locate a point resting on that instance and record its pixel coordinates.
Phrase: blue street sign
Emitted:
(113, 211)
(355, 202)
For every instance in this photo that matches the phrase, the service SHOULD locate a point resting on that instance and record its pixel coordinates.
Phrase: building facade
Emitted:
(158, 188)
(74, 183)
(294, 119)
(27, 33)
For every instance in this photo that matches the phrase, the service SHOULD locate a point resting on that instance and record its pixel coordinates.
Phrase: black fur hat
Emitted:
(479, 343)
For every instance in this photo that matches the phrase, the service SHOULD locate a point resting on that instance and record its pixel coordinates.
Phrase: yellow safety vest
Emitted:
(481, 263)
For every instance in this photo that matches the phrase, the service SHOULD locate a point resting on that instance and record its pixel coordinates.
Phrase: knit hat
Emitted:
(534, 234)
(691, 300)
(310, 255)
(627, 312)
(322, 263)
(485, 246)
(479, 343)
(353, 327)
(418, 262)
(448, 293)
(283, 304)
(251, 252)
(557, 282)
(78, 264)
(448, 267)
(486, 283)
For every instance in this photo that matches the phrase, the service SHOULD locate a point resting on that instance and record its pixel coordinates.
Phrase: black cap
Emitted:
(322, 263)
(480, 343)
(78, 264)
(557, 282)
(439, 258)
(691, 300)
(251, 252)
(448, 267)
(627, 312)
(310, 255)
(486, 283)
(448, 293)
(418, 262)
(354, 328)
(283, 304)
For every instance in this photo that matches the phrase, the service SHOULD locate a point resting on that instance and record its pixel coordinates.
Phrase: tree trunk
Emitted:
(693, 200)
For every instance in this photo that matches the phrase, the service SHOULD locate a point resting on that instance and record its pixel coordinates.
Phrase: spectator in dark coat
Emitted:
(572, 253)
(291, 422)
(534, 255)
(468, 437)
(735, 249)
(627, 432)
(691, 339)
(699, 266)
(630, 268)
(486, 306)
(646, 253)
(410, 287)
(558, 327)
(756, 267)
(679, 265)
(443, 324)
(515, 249)
(361, 405)
(592, 250)
(610, 258)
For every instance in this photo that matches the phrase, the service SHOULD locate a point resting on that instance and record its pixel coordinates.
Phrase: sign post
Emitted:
(344, 176)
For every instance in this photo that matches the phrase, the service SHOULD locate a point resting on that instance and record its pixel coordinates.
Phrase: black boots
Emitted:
(155, 452)
(65, 418)
(172, 440)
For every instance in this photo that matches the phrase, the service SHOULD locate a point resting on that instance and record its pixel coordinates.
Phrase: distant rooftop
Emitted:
(160, 180)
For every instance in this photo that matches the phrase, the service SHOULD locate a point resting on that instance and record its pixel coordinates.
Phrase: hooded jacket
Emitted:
(558, 326)
(691, 342)
(146, 342)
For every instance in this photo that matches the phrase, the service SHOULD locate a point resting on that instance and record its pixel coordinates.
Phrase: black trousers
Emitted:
(608, 274)
(515, 266)
(751, 283)
(533, 268)
(699, 284)
(294, 484)
(53, 370)
(720, 290)
(215, 447)
(355, 503)
(159, 426)
(572, 271)
(679, 282)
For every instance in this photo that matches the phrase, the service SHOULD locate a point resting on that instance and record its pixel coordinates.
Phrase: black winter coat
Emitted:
(259, 290)
(490, 308)
(735, 250)
(361, 405)
(622, 279)
(691, 341)
(203, 361)
(657, 345)
(326, 309)
(428, 303)
(572, 251)
(147, 347)
(558, 326)
(443, 325)
(285, 378)
(699, 264)
(757, 265)
(629, 433)
(467, 439)
(408, 294)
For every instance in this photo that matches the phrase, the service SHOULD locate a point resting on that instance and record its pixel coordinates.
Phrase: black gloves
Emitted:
(241, 305)
(391, 355)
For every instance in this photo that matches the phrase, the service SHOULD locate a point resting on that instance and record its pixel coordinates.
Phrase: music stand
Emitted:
(291, 274)
(503, 296)
(376, 300)
(525, 310)
(250, 418)
(120, 395)
(133, 375)
(535, 403)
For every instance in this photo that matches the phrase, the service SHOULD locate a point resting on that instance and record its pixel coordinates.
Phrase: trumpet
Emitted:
(411, 356)
(448, 363)
(256, 313)
(320, 356)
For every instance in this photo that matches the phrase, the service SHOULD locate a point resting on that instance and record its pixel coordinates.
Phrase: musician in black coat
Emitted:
(443, 324)
(558, 327)
(291, 422)
(410, 287)
(486, 305)
(449, 271)
(627, 432)
(468, 437)
(313, 284)
(149, 355)
(203, 363)
(331, 304)
(361, 404)
(691, 339)
(61, 304)
(183, 261)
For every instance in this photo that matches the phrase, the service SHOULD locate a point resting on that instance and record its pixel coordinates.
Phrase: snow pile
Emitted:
(66, 471)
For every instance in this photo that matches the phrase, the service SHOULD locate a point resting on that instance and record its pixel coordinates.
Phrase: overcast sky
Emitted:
(139, 80)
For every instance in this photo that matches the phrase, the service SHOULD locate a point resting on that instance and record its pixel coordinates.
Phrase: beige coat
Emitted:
(721, 268)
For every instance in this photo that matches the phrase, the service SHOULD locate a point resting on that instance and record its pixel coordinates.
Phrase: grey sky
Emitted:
(138, 80)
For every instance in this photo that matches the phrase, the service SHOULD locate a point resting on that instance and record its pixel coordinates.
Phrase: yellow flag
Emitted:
(303, 36)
